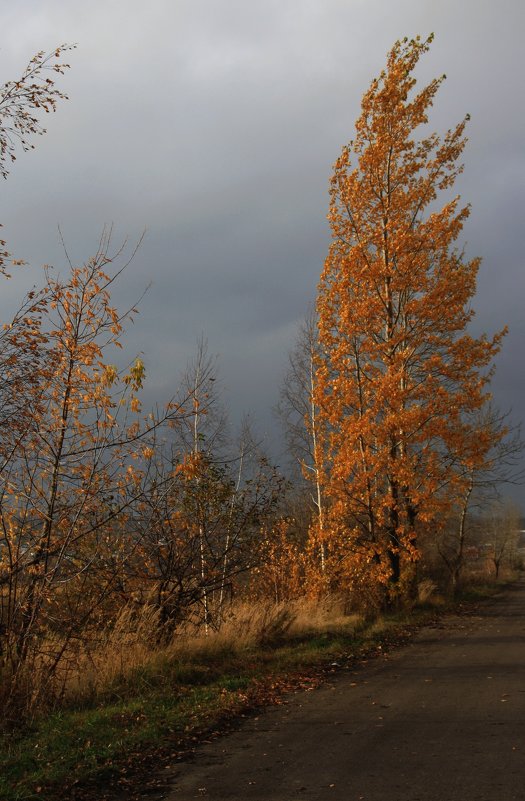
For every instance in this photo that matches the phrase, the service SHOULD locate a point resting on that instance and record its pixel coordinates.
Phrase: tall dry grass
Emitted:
(124, 657)
(129, 651)
(130, 654)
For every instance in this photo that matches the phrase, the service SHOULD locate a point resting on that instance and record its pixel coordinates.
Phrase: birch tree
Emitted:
(399, 373)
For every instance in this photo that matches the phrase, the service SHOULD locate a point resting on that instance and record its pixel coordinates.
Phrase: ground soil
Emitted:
(442, 719)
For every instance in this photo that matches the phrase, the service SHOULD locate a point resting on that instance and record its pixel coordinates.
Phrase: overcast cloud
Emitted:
(213, 124)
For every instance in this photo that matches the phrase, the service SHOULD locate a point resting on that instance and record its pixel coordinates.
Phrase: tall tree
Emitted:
(399, 373)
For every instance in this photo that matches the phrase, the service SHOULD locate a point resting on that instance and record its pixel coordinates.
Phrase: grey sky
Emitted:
(214, 124)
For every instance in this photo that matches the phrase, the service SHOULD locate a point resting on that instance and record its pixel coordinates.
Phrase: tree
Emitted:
(20, 102)
(298, 412)
(399, 374)
(75, 464)
(482, 485)
(501, 527)
(207, 486)
(198, 527)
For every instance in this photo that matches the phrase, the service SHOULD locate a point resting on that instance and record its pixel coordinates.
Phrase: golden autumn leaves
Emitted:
(399, 378)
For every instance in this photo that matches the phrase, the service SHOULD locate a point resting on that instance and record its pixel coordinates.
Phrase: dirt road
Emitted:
(442, 719)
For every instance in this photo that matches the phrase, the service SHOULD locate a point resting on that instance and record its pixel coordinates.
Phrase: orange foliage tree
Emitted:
(399, 374)
(75, 459)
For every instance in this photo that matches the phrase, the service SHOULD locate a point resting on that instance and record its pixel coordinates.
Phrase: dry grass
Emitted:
(129, 649)
(124, 693)
(128, 655)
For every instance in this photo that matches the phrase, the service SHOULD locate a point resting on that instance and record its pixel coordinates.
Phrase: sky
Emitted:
(212, 125)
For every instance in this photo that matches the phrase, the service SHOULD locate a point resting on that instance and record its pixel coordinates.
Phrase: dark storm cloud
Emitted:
(214, 124)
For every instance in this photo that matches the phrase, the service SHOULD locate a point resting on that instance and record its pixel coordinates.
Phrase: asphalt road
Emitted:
(442, 719)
